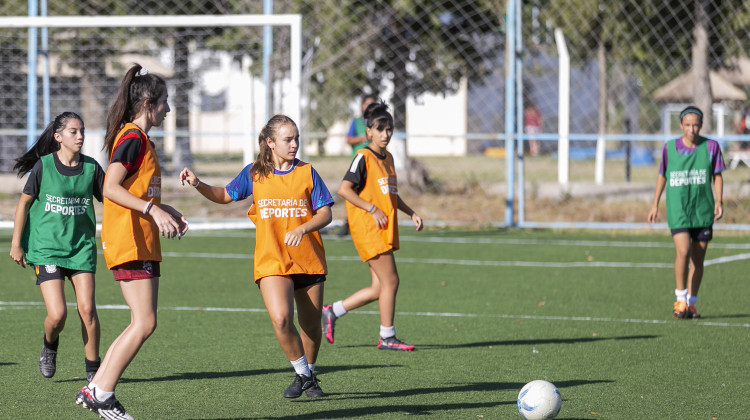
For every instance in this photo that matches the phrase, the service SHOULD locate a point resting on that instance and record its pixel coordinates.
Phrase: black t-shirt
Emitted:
(357, 173)
(35, 176)
(128, 152)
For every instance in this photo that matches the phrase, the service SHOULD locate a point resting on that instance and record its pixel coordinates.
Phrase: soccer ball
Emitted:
(539, 400)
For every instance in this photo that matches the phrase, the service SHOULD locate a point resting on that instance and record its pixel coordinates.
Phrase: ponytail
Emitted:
(137, 86)
(377, 115)
(263, 165)
(46, 143)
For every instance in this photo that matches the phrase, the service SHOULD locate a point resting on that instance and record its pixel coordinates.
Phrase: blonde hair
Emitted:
(263, 165)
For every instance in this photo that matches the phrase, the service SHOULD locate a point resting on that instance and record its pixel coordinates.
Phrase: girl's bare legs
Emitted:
(84, 286)
(682, 254)
(309, 304)
(278, 296)
(695, 274)
(141, 296)
(53, 293)
(383, 288)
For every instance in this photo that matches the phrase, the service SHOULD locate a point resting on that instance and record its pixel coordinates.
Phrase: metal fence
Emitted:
(442, 66)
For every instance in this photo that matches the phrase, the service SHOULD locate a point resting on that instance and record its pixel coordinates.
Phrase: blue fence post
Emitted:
(510, 32)
(31, 85)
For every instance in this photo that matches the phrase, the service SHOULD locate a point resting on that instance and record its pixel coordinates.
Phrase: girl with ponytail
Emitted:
(134, 218)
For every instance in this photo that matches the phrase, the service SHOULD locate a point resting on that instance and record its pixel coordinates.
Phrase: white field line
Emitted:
(32, 305)
(445, 261)
(497, 241)
(562, 242)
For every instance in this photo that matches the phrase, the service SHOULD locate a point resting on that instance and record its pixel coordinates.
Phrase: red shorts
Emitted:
(136, 270)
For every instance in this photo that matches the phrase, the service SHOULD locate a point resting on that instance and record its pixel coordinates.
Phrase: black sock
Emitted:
(51, 346)
(92, 366)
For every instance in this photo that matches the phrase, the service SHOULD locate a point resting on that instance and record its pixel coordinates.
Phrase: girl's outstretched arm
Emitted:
(216, 194)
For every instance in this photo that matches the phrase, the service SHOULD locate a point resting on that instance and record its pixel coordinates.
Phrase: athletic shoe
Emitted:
(110, 408)
(314, 391)
(329, 322)
(680, 309)
(692, 313)
(393, 343)
(299, 384)
(48, 362)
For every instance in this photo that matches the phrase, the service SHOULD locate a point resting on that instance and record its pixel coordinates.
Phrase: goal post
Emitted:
(293, 21)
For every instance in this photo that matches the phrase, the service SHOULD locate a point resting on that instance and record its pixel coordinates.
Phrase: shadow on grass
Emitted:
(705, 317)
(534, 342)
(190, 376)
(417, 409)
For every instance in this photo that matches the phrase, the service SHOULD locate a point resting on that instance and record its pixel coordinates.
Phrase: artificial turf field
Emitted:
(487, 310)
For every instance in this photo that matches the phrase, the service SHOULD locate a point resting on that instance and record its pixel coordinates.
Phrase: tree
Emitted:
(418, 47)
(653, 40)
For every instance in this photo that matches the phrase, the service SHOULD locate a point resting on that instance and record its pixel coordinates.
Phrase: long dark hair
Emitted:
(136, 87)
(45, 144)
(263, 165)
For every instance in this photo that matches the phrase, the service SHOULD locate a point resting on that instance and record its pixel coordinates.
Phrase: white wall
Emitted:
(436, 125)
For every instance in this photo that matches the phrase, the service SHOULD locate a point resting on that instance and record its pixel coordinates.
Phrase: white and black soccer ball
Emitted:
(539, 400)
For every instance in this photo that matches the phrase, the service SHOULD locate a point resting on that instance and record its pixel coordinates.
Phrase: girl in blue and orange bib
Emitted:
(133, 219)
(372, 203)
(290, 204)
(55, 230)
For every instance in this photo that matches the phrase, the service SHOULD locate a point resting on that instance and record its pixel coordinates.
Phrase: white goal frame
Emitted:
(293, 21)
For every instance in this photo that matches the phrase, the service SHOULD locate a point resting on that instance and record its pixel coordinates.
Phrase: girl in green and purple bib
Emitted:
(690, 166)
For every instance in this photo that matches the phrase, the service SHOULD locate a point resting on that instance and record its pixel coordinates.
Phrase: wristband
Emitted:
(148, 207)
(196, 184)
(372, 210)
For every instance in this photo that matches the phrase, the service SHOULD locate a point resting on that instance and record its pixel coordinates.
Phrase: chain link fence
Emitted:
(440, 65)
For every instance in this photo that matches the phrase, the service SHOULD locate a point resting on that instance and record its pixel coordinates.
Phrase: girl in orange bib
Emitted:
(132, 221)
(372, 202)
(290, 204)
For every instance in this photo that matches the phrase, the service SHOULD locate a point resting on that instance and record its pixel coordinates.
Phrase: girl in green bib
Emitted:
(690, 166)
(54, 231)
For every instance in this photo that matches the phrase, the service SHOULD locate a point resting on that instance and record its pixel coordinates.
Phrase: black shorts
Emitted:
(303, 280)
(53, 272)
(704, 234)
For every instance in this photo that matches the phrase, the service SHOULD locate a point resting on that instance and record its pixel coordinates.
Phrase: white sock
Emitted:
(311, 367)
(100, 394)
(387, 332)
(338, 309)
(300, 366)
(681, 295)
(692, 299)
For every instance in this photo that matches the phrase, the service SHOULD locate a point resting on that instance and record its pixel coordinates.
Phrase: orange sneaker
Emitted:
(692, 313)
(680, 309)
